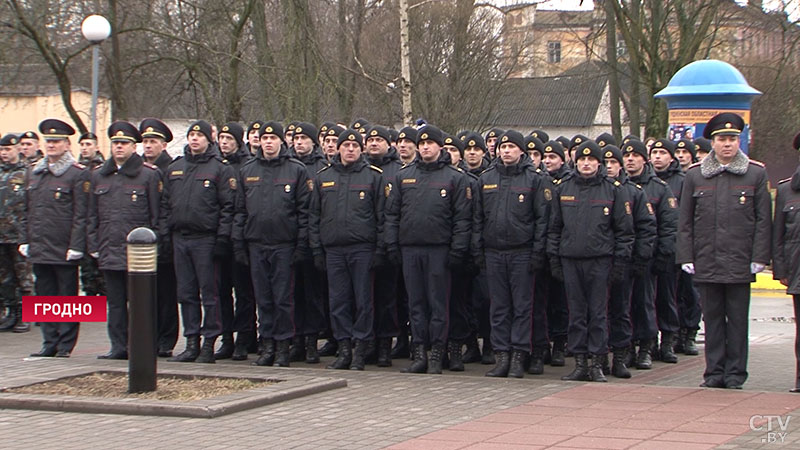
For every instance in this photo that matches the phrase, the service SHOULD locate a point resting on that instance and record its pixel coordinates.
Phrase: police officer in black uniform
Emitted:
(197, 214)
(57, 200)
(428, 219)
(92, 280)
(345, 225)
(589, 242)
(271, 230)
(253, 144)
(125, 195)
(509, 230)
(155, 136)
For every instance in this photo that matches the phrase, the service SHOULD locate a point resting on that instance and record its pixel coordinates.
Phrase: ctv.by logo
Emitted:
(776, 427)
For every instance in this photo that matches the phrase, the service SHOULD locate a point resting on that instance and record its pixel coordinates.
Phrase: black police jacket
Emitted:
(388, 163)
(644, 220)
(13, 210)
(511, 209)
(121, 200)
(590, 218)
(314, 161)
(786, 234)
(162, 162)
(199, 194)
(429, 204)
(346, 206)
(237, 158)
(665, 206)
(674, 177)
(96, 161)
(272, 205)
(58, 196)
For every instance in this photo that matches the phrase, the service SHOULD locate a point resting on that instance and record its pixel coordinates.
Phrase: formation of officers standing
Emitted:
(543, 248)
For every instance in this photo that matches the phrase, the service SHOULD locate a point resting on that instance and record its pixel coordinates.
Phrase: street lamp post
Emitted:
(95, 29)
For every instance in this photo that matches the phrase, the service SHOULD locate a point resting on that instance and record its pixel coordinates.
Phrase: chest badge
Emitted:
(287, 188)
(742, 199)
(521, 198)
(606, 211)
(134, 197)
(58, 195)
(16, 187)
(206, 183)
(443, 193)
(361, 195)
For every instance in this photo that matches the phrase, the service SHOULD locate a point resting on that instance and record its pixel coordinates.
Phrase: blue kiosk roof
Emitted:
(708, 77)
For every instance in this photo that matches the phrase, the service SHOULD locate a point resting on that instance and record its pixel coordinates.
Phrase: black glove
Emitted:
(394, 257)
(455, 262)
(319, 262)
(240, 253)
(663, 263)
(556, 269)
(638, 268)
(536, 264)
(300, 256)
(618, 270)
(378, 261)
(222, 247)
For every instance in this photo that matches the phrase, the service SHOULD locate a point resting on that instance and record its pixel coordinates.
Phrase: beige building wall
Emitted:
(23, 113)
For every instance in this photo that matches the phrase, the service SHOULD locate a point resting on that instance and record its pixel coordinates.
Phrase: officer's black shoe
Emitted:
(21, 327)
(267, 356)
(644, 361)
(345, 356)
(63, 354)
(190, 353)
(473, 352)
(359, 355)
(436, 359)
(487, 356)
(10, 320)
(581, 371)
(516, 368)
(45, 351)
(312, 354)
(677, 343)
(371, 352)
(420, 363)
(253, 343)
(207, 352)
(713, 383)
(298, 352)
(385, 352)
(596, 371)
(689, 344)
(329, 348)
(164, 353)
(559, 358)
(667, 353)
(537, 362)
(114, 354)
(239, 352)
(603, 363)
(401, 349)
(454, 355)
(226, 349)
(502, 365)
(630, 357)
(547, 357)
(618, 368)
(282, 353)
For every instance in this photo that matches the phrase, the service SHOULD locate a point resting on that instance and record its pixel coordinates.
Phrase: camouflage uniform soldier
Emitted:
(91, 277)
(15, 272)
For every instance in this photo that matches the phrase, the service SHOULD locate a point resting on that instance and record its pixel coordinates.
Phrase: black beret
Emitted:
(335, 130)
(29, 135)
(554, 147)
(55, 129)
(155, 128)
(409, 133)
(628, 138)
(590, 148)
(705, 144)
(430, 133)
(665, 144)
(605, 139)
(271, 128)
(360, 124)
(514, 137)
(307, 129)
(611, 151)
(381, 132)
(324, 127)
(534, 143)
(256, 125)
(124, 131)
(350, 135)
(724, 123)
(541, 135)
(564, 141)
(473, 139)
(291, 126)
(635, 146)
(494, 133)
(578, 139)
(9, 139)
(88, 135)
(201, 126)
(449, 139)
(235, 130)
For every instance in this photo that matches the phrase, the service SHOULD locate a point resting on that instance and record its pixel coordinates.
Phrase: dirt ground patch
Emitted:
(182, 388)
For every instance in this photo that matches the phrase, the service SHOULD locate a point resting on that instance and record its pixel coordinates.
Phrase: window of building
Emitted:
(554, 51)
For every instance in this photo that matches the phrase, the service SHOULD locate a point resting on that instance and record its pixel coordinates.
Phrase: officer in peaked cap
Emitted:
(724, 124)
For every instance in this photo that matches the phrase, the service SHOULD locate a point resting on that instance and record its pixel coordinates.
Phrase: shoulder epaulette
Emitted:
(97, 167)
(375, 168)
(323, 169)
(758, 163)
(148, 165)
(617, 183)
(638, 186)
(557, 182)
(785, 180)
(79, 165)
(694, 165)
(296, 161)
(659, 180)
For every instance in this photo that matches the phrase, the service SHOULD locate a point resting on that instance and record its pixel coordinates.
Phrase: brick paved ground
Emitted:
(380, 408)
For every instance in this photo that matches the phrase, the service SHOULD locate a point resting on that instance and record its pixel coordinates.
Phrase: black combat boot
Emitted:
(537, 362)
(516, 368)
(385, 352)
(547, 356)
(359, 355)
(267, 355)
(618, 368)
(581, 371)
(345, 356)
(454, 355)
(630, 357)
(558, 358)
(604, 363)
(20, 327)
(644, 360)
(435, 361)
(191, 352)
(329, 348)
(420, 363)
(667, 353)
(240, 349)
(298, 352)
(596, 371)
(677, 343)
(401, 348)
(282, 357)
(501, 366)
(473, 352)
(312, 354)
(207, 354)
(226, 349)
(371, 352)
(487, 355)
(689, 344)
(10, 320)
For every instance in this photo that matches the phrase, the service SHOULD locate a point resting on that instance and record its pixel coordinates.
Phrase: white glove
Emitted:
(95, 255)
(756, 267)
(72, 255)
(23, 250)
(688, 268)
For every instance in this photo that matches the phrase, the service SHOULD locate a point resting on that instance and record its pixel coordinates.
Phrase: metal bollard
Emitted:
(142, 262)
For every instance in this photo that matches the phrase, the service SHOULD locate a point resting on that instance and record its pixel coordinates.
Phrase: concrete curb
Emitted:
(764, 282)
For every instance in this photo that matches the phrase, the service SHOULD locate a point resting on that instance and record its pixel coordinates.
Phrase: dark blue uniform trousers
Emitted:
(117, 297)
(235, 278)
(58, 279)
(460, 306)
(427, 281)
(167, 314)
(557, 310)
(688, 302)
(387, 290)
(643, 307)
(725, 311)
(511, 294)
(540, 332)
(350, 289)
(309, 306)
(586, 283)
(198, 285)
(667, 300)
(620, 329)
(273, 284)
